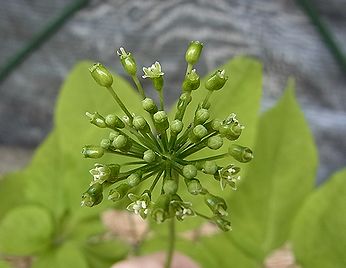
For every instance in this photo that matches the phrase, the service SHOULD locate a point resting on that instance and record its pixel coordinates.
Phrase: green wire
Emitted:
(41, 37)
(325, 33)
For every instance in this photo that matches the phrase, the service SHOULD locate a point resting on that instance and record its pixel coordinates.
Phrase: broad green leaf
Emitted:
(319, 233)
(278, 179)
(67, 255)
(11, 192)
(105, 253)
(4, 264)
(44, 177)
(25, 230)
(209, 252)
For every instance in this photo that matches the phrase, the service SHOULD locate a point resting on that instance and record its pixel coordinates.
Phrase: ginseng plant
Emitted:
(162, 150)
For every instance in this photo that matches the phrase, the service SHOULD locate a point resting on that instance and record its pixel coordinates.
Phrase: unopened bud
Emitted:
(191, 81)
(189, 171)
(161, 121)
(92, 151)
(101, 75)
(193, 52)
(149, 105)
(127, 61)
(216, 81)
(240, 153)
(215, 142)
(114, 121)
(96, 119)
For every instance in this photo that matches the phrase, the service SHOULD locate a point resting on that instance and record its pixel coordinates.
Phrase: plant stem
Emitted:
(139, 86)
(171, 244)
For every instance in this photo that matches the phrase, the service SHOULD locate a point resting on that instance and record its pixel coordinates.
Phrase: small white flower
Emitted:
(100, 173)
(140, 205)
(182, 209)
(154, 71)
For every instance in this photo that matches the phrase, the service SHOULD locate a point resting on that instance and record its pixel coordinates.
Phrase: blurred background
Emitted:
(303, 39)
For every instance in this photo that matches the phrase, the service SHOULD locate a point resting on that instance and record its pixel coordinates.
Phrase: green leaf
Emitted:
(68, 255)
(214, 251)
(219, 251)
(4, 264)
(25, 230)
(105, 253)
(278, 179)
(43, 177)
(11, 193)
(319, 233)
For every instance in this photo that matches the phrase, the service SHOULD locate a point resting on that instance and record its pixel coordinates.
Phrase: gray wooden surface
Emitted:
(275, 31)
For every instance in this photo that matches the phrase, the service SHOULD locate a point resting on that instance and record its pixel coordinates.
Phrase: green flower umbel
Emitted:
(159, 151)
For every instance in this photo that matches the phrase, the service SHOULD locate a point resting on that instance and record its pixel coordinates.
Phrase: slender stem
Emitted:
(139, 86)
(215, 157)
(206, 99)
(202, 215)
(120, 103)
(188, 68)
(171, 244)
(125, 154)
(162, 103)
(157, 178)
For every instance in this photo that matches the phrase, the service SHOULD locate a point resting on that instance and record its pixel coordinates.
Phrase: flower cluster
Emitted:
(163, 149)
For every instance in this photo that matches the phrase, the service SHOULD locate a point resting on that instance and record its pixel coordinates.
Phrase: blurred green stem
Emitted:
(171, 243)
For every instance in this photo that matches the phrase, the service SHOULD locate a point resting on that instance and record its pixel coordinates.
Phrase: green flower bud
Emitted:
(149, 105)
(176, 126)
(201, 116)
(184, 100)
(134, 179)
(160, 211)
(122, 143)
(114, 121)
(216, 81)
(140, 124)
(101, 75)
(127, 61)
(113, 135)
(210, 167)
(189, 171)
(96, 119)
(105, 143)
(92, 151)
(216, 204)
(222, 223)
(119, 192)
(170, 186)
(216, 124)
(240, 153)
(93, 196)
(198, 133)
(194, 187)
(191, 81)
(215, 142)
(193, 52)
(149, 156)
(161, 121)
